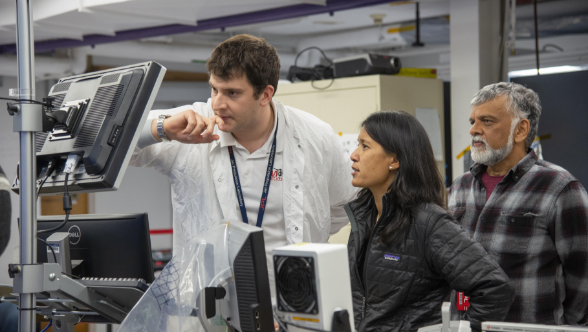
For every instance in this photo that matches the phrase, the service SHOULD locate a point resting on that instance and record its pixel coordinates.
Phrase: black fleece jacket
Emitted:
(402, 287)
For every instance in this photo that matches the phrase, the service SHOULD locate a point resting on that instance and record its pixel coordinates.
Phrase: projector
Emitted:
(313, 287)
(366, 64)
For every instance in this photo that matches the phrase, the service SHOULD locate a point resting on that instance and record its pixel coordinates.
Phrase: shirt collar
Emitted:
(517, 172)
(227, 139)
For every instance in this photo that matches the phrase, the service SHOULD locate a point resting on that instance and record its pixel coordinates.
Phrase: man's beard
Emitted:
(488, 156)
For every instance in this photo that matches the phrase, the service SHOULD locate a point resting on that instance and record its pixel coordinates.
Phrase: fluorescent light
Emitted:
(543, 71)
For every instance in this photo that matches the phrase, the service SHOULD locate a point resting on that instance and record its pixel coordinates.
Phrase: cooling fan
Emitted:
(313, 286)
(296, 284)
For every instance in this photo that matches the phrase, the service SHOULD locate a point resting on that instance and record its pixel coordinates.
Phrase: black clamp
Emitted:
(210, 295)
(13, 270)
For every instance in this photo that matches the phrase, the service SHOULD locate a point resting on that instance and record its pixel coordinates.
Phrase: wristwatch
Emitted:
(160, 131)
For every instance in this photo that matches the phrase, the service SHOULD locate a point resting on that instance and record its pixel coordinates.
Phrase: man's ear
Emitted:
(267, 95)
(522, 130)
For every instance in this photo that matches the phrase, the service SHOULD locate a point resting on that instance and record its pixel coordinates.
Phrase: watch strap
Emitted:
(160, 131)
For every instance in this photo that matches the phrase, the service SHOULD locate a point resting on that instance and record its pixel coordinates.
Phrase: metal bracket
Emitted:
(29, 117)
(35, 278)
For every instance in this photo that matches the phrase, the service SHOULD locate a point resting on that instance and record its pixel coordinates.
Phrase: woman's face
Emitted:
(372, 167)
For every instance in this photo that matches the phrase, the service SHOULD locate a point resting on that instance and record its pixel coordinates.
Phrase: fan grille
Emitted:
(102, 106)
(296, 284)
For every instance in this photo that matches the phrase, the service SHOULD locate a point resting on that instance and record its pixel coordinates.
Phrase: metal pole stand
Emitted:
(27, 121)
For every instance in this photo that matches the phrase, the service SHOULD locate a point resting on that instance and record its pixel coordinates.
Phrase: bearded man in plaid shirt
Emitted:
(529, 214)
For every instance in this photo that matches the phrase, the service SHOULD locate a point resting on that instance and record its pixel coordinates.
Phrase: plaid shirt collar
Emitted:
(516, 173)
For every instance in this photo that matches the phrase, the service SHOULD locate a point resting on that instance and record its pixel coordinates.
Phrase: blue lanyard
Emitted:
(266, 183)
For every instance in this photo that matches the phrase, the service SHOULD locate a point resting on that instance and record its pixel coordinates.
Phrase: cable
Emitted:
(312, 48)
(51, 167)
(50, 247)
(282, 326)
(317, 72)
(48, 326)
(28, 100)
(66, 207)
(328, 86)
(280, 323)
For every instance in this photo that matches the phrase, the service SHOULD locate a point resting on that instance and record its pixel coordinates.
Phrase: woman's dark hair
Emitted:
(418, 179)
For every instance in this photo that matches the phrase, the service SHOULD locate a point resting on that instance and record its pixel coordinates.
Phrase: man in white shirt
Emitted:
(308, 182)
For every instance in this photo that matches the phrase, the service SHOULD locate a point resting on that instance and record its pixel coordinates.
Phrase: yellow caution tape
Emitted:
(402, 29)
(463, 152)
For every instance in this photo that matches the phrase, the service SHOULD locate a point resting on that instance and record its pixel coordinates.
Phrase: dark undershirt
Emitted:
(490, 183)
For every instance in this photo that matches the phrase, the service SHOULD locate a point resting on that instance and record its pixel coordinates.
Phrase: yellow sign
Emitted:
(418, 72)
(304, 319)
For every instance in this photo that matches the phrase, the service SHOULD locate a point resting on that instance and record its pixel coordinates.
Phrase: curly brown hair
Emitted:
(246, 55)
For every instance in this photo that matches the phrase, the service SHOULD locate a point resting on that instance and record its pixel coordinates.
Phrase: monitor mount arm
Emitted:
(62, 122)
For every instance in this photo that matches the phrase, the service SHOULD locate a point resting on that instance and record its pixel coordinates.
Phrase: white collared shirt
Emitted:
(316, 180)
(252, 168)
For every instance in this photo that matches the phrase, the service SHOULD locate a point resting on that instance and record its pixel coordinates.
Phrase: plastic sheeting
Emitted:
(173, 300)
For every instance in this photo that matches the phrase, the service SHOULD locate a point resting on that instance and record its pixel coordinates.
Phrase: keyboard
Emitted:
(115, 282)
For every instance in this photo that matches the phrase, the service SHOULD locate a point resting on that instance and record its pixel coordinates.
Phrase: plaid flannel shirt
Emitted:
(535, 224)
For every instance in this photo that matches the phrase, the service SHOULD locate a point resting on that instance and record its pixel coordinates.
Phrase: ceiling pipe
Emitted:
(167, 53)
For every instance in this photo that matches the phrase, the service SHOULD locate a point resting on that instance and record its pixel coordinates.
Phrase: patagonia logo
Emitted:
(391, 257)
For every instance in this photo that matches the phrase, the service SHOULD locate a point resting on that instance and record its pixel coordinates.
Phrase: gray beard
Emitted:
(488, 156)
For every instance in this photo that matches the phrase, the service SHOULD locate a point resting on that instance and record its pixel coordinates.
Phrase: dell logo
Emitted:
(74, 234)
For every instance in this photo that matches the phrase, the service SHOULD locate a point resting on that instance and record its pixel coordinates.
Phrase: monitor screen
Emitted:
(109, 246)
(103, 114)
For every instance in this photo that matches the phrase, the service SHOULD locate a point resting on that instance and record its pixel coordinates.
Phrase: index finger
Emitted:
(220, 122)
(210, 122)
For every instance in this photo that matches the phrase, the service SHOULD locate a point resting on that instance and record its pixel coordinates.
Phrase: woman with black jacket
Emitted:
(406, 253)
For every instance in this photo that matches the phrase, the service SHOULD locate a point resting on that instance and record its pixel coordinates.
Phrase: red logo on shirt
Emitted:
(262, 205)
(277, 174)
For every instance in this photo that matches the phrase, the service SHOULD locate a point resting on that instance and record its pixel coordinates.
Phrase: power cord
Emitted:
(51, 167)
(50, 247)
(28, 101)
(315, 70)
(48, 326)
(285, 328)
(70, 165)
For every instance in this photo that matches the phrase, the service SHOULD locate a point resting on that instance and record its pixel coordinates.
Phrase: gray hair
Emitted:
(523, 103)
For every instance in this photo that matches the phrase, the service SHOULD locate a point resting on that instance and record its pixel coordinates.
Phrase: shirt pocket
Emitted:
(513, 232)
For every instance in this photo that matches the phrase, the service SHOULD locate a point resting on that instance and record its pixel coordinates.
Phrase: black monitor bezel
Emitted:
(121, 265)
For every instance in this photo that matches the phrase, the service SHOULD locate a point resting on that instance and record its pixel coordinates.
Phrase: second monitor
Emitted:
(109, 246)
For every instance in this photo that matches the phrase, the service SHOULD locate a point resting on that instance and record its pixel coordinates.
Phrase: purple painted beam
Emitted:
(268, 15)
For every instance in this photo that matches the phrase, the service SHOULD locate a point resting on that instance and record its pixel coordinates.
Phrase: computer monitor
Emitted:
(110, 246)
(247, 305)
(105, 111)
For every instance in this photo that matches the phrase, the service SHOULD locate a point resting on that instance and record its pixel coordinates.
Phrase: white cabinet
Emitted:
(348, 101)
